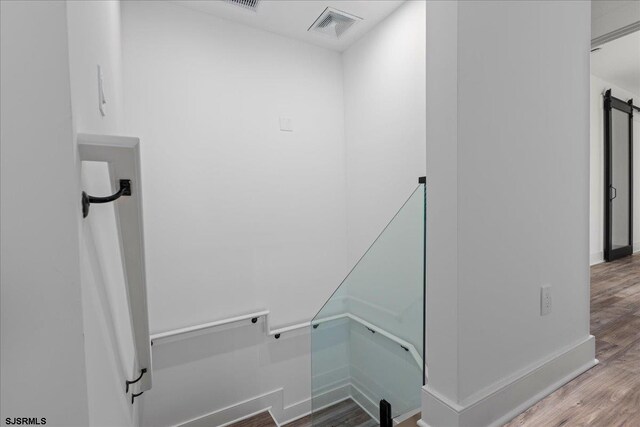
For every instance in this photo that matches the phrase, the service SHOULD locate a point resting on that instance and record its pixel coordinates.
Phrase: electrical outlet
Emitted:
(545, 300)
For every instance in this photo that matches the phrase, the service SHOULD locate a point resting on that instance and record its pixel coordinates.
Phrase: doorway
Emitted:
(618, 177)
(615, 156)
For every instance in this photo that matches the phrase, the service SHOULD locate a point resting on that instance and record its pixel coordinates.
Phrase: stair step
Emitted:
(410, 422)
(262, 419)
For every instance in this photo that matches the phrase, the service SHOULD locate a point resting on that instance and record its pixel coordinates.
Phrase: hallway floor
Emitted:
(608, 394)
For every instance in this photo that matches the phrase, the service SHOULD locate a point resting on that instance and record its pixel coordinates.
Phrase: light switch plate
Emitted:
(286, 124)
(102, 102)
(545, 300)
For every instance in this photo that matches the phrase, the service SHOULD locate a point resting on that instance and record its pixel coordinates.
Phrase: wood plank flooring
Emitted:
(608, 394)
(344, 414)
(263, 419)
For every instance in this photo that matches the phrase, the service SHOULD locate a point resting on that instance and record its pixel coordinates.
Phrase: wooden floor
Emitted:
(263, 419)
(608, 394)
(343, 414)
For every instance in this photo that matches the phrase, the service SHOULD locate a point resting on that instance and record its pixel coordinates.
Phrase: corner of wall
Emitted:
(496, 407)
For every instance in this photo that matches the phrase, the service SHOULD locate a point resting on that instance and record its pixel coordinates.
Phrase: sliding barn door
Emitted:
(618, 177)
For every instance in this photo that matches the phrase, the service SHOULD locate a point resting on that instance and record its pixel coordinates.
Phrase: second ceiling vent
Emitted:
(247, 4)
(333, 22)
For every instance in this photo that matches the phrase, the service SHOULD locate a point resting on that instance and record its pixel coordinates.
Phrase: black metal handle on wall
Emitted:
(134, 395)
(128, 383)
(87, 200)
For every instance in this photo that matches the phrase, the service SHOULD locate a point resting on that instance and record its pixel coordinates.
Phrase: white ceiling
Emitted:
(618, 62)
(292, 18)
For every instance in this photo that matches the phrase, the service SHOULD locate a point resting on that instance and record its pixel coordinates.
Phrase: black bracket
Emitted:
(134, 395)
(422, 180)
(385, 414)
(404, 348)
(277, 336)
(316, 326)
(254, 320)
(128, 383)
(370, 330)
(125, 190)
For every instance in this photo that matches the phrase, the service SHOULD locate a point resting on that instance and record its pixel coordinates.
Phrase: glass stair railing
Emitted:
(367, 341)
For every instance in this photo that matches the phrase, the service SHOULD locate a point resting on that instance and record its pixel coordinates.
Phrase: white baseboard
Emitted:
(272, 402)
(295, 411)
(303, 408)
(596, 258)
(240, 411)
(497, 407)
(361, 398)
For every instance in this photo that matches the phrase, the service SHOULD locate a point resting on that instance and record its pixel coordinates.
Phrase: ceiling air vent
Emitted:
(247, 4)
(333, 22)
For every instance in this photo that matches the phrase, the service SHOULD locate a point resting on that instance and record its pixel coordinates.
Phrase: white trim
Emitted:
(247, 417)
(238, 411)
(412, 350)
(275, 420)
(296, 411)
(123, 156)
(271, 402)
(302, 408)
(615, 34)
(289, 328)
(363, 401)
(176, 334)
(370, 406)
(596, 258)
(401, 418)
(171, 335)
(497, 406)
(162, 336)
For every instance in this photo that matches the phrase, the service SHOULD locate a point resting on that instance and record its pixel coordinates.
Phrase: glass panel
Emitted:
(620, 179)
(367, 340)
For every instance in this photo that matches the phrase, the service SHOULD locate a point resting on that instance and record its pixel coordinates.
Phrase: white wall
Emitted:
(384, 98)
(442, 199)
(611, 15)
(239, 215)
(94, 39)
(205, 374)
(523, 183)
(596, 220)
(43, 361)
(518, 212)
